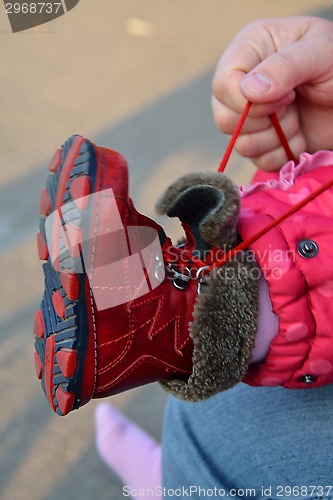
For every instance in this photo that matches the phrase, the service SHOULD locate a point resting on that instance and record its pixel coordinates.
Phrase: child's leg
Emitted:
(133, 455)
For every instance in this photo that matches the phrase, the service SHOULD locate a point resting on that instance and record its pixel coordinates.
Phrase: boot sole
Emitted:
(64, 324)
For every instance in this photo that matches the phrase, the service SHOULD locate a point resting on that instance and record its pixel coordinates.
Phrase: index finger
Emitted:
(249, 47)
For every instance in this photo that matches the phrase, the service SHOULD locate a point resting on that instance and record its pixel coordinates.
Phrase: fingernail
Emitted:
(257, 83)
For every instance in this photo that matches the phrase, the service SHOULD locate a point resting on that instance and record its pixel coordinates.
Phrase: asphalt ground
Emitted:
(134, 75)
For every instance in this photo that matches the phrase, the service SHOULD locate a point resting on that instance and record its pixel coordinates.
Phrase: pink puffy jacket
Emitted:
(296, 259)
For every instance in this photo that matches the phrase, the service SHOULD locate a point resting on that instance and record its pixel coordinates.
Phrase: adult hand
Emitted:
(282, 65)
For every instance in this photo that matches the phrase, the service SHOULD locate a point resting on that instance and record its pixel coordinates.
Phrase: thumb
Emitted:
(280, 73)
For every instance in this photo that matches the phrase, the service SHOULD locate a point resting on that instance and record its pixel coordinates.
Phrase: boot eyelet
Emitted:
(159, 271)
(181, 280)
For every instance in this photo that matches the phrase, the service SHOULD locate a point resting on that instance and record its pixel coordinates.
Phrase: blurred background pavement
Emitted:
(134, 75)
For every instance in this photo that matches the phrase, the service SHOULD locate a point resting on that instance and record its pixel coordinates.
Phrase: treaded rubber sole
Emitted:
(63, 326)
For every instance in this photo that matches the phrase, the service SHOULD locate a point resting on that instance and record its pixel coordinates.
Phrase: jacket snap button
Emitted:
(307, 248)
(308, 379)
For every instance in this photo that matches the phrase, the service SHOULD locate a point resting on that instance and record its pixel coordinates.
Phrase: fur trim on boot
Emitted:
(226, 311)
(209, 202)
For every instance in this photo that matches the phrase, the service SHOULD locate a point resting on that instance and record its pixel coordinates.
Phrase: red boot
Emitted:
(117, 310)
(110, 319)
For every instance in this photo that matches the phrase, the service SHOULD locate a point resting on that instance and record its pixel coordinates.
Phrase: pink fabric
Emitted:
(285, 178)
(130, 452)
(301, 289)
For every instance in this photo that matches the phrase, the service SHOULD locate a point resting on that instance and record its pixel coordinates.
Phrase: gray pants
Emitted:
(250, 442)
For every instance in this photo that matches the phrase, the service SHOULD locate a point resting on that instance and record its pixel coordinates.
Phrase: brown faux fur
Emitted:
(226, 311)
(219, 228)
(223, 330)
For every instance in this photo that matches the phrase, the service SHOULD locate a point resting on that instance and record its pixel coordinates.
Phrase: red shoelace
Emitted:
(205, 267)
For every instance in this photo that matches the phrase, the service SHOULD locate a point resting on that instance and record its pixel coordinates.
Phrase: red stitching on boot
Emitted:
(121, 356)
(135, 365)
(153, 332)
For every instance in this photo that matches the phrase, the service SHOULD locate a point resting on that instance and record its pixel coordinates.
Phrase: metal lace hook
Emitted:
(201, 280)
(180, 280)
